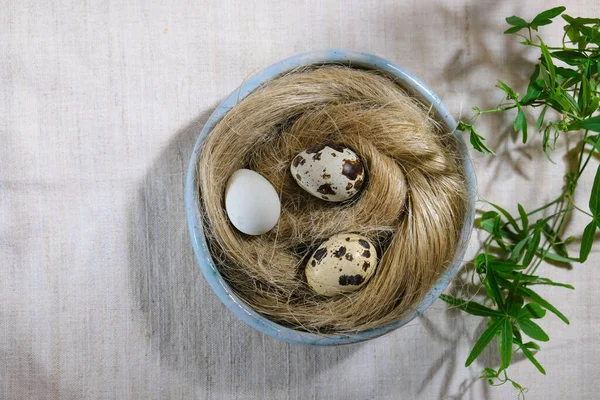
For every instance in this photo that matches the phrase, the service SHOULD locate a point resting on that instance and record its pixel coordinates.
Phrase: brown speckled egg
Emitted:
(343, 263)
(330, 172)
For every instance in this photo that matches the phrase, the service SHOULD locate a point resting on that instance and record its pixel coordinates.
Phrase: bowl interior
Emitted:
(341, 57)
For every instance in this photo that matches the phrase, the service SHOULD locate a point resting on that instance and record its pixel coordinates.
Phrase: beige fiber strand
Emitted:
(412, 205)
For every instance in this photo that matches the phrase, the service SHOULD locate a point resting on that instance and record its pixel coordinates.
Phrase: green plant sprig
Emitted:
(565, 80)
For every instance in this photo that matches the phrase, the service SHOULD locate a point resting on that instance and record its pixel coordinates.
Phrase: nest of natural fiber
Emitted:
(412, 205)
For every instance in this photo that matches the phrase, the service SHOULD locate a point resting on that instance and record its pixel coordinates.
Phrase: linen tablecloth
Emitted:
(100, 295)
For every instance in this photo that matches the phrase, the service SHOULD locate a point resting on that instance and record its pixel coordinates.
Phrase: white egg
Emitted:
(330, 172)
(252, 203)
(343, 263)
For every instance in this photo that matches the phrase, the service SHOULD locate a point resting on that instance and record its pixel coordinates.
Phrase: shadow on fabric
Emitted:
(190, 330)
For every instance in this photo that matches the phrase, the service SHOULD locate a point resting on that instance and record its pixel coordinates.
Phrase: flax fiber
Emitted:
(412, 205)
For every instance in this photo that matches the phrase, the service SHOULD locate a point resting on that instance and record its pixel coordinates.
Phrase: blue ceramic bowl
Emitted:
(363, 60)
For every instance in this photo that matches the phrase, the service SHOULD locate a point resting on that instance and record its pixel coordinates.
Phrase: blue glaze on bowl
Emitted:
(207, 265)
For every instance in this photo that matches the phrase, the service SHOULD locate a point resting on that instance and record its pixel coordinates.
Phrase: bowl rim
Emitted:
(337, 56)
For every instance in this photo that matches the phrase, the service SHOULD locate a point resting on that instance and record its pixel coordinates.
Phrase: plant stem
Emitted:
(549, 242)
(559, 198)
(579, 170)
(566, 198)
(498, 109)
(585, 164)
(583, 211)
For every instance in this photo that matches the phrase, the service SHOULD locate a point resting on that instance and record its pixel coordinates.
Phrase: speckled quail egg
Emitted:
(343, 263)
(331, 172)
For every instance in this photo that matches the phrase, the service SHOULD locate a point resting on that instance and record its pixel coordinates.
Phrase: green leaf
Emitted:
(516, 21)
(572, 33)
(567, 73)
(545, 77)
(540, 120)
(481, 260)
(593, 140)
(548, 61)
(587, 21)
(585, 95)
(568, 77)
(532, 345)
(567, 99)
(533, 330)
(587, 240)
(546, 141)
(485, 338)
(506, 341)
(524, 217)
(592, 106)
(581, 21)
(516, 385)
(505, 266)
(580, 34)
(470, 307)
(555, 257)
(534, 90)
(535, 310)
(540, 23)
(570, 57)
(462, 126)
(507, 215)
(531, 310)
(512, 296)
(535, 87)
(516, 334)
(488, 221)
(475, 139)
(560, 100)
(489, 373)
(542, 302)
(510, 94)
(520, 124)
(514, 306)
(548, 282)
(594, 202)
(544, 18)
(531, 358)
(490, 215)
(517, 251)
(514, 275)
(494, 289)
(593, 81)
(514, 29)
(477, 143)
(591, 124)
(586, 34)
(497, 233)
(533, 244)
